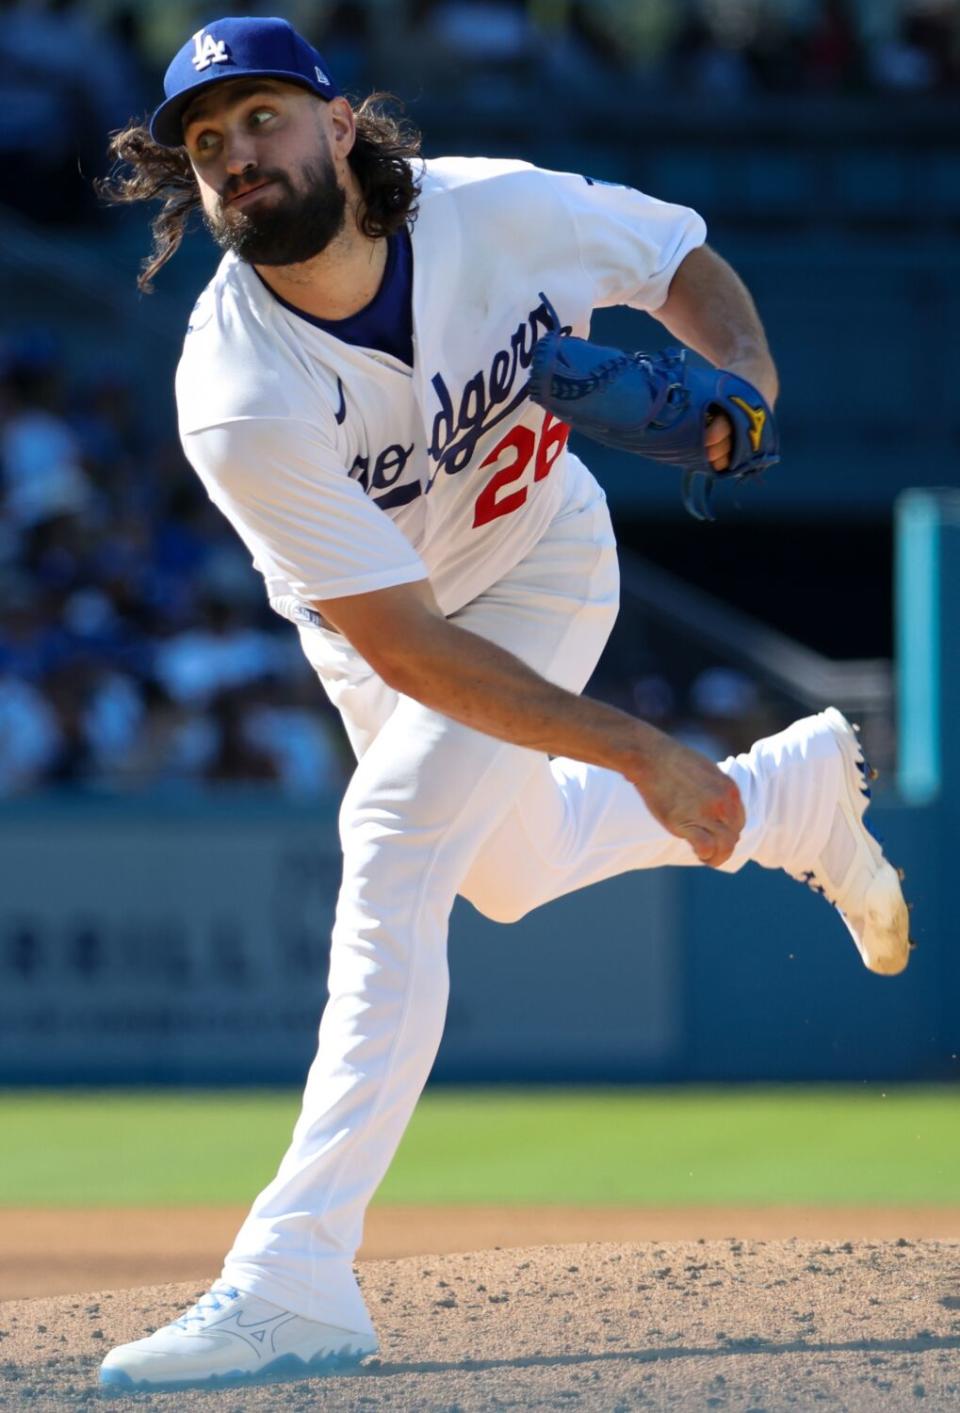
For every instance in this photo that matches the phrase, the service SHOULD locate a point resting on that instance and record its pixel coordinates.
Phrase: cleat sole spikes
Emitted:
(886, 924)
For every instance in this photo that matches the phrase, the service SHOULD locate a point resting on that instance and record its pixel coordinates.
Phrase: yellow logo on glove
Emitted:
(757, 418)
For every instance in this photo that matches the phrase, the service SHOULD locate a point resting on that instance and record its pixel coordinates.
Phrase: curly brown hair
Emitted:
(382, 160)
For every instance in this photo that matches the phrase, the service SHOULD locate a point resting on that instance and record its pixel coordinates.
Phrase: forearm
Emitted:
(710, 309)
(407, 641)
(474, 681)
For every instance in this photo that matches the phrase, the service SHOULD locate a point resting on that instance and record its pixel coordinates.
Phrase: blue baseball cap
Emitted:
(235, 48)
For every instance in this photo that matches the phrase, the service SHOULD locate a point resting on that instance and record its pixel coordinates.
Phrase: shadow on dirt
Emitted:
(919, 1344)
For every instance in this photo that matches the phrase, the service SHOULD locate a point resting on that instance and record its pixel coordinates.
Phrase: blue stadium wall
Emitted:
(189, 946)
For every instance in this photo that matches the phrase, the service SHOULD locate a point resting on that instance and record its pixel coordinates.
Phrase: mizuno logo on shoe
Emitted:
(253, 1334)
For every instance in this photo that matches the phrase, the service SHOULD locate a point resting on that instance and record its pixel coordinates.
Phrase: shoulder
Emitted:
(225, 369)
(236, 363)
(514, 196)
(485, 179)
(533, 198)
(442, 174)
(227, 310)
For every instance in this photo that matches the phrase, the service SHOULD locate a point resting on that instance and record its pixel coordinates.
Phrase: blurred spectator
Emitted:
(174, 746)
(237, 757)
(39, 454)
(66, 81)
(30, 736)
(112, 720)
(588, 42)
(482, 52)
(722, 700)
(834, 57)
(306, 753)
(481, 32)
(711, 60)
(723, 693)
(923, 53)
(654, 698)
(222, 653)
(345, 36)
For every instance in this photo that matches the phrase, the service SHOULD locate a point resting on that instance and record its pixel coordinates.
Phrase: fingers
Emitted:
(718, 442)
(695, 800)
(711, 846)
(730, 808)
(713, 842)
(701, 841)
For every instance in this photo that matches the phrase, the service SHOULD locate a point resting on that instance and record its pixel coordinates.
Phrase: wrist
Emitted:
(760, 372)
(642, 753)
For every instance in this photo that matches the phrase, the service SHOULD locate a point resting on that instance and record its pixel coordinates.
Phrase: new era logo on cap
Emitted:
(236, 47)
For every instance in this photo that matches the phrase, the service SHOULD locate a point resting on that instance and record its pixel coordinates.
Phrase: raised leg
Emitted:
(576, 824)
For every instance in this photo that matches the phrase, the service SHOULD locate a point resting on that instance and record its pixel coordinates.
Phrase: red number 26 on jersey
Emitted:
(513, 454)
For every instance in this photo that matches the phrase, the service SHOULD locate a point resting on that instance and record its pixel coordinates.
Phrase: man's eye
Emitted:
(206, 142)
(259, 116)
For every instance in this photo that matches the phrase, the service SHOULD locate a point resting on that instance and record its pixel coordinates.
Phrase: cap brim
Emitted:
(166, 125)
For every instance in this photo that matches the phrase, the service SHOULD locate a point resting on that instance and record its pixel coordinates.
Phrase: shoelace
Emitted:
(215, 1299)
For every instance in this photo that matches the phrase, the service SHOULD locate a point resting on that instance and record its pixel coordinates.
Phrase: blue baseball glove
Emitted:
(656, 405)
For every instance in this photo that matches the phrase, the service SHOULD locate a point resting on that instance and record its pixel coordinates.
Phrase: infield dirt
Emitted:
(864, 1327)
(54, 1251)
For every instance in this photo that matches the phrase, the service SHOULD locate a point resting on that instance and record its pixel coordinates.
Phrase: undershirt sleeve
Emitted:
(311, 529)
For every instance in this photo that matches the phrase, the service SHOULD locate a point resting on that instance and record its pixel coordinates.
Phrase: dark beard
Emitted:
(292, 228)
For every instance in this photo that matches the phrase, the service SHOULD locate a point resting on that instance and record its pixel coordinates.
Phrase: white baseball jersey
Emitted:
(343, 469)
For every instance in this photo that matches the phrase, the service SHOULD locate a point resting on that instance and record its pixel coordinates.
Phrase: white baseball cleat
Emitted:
(852, 873)
(230, 1338)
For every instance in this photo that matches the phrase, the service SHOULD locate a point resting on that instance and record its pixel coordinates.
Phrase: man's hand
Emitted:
(709, 309)
(718, 442)
(691, 798)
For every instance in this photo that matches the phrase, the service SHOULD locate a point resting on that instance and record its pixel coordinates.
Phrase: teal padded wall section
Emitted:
(928, 641)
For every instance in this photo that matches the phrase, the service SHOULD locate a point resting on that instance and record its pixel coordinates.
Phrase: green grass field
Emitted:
(664, 1147)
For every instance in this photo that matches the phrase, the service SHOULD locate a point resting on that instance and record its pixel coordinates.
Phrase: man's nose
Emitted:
(239, 152)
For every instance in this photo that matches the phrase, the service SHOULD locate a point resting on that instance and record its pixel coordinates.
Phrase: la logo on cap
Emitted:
(207, 50)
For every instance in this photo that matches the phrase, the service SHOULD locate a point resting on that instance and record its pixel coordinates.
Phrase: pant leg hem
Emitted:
(335, 1300)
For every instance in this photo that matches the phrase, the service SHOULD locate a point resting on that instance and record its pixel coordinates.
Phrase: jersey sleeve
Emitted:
(630, 244)
(310, 528)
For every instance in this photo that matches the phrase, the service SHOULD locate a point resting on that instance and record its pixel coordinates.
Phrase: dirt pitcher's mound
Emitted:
(862, 1327)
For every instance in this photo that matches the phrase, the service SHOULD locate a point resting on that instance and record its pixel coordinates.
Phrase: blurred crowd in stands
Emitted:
(136, 647)
(74, 69)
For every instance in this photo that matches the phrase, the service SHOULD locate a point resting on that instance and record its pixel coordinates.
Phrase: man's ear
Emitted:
(343, 127)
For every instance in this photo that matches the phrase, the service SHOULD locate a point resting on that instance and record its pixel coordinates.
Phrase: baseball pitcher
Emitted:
(376, 389)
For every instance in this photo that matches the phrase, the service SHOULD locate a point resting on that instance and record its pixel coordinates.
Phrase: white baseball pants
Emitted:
(435, 809)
